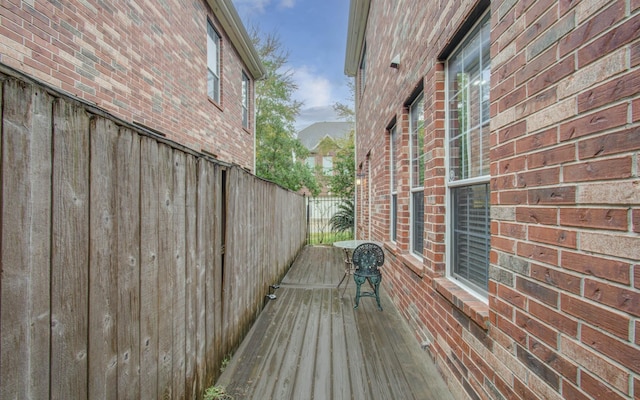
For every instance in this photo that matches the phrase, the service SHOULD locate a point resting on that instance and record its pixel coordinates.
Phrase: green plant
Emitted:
(216, 393)
(328, 238)
(224, 363)
(343, 220)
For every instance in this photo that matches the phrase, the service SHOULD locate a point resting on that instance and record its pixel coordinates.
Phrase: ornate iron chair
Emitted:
(367, 259)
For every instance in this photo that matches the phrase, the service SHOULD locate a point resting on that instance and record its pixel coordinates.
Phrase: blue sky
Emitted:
(314, 32)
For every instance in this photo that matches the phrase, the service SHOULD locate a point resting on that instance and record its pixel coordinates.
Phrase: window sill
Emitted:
(408, 260)
(475, 309)
(215, 103)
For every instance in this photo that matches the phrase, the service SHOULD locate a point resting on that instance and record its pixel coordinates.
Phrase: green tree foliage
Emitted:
(342, 183)
(280, 157)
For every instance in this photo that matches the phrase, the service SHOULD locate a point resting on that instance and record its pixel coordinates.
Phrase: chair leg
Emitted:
(344, 289)
(377, 292)
(357, 294)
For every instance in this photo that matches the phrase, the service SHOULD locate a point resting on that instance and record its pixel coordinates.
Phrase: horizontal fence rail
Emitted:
(130, 267)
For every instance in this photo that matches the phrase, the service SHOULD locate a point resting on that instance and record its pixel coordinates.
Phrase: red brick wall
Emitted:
(561, 318)
(143, 61)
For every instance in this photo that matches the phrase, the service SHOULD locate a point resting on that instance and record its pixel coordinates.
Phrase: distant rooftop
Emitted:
(312, 135)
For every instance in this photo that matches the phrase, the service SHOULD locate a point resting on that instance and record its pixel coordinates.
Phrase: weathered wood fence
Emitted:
(131, 267)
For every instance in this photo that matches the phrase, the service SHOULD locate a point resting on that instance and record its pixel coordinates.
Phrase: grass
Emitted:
(329, 237)
(216, 393)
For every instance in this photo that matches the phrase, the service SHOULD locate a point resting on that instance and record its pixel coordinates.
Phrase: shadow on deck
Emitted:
(310, 343)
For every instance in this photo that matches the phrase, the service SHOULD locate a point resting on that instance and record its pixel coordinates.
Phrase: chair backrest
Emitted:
(367, 258)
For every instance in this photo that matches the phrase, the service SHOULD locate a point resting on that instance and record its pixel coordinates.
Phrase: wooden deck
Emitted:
(310, 343)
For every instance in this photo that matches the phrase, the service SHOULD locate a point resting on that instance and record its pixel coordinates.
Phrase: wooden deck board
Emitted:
(310, 343)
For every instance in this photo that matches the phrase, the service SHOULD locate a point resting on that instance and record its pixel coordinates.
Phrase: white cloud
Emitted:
(313, 89)
(287, 3)
(316, 91)
(311, 115)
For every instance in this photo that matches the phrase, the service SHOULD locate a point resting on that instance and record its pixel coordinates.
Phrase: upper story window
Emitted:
(327, 165)
(311, 162)
(395, 142)
(213, 63)
(416, 136)
(363, 69)
(467, 88)
(245, 100)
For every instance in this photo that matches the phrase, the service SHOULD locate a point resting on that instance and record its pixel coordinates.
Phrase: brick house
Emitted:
(500, 146)
(185, 70)
(322, 139)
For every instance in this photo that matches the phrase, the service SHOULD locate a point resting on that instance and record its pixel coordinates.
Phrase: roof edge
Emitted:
(234, 28)
(358, 15)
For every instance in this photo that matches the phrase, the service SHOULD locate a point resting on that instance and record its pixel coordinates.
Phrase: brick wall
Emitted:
(142, 61)
(562, 316)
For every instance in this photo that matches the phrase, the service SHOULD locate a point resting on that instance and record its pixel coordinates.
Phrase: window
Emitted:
(327, 165)
(213, 63)
(363, 68)
(467, 86)
(394, 183)
(416, 130)
(311, 162)
(245, 100)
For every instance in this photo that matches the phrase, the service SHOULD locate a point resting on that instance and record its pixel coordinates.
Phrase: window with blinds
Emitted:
(467, 88)
(416, 128)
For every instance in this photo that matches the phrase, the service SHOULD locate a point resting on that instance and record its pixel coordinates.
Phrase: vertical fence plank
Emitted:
(178, 230)
(103, 261)
(149, 311)
(231, 298)
(128, 244)
(25, 257)
(70, 255)
(204, 270)
(215, 281)
(166, 272)
(191, 311)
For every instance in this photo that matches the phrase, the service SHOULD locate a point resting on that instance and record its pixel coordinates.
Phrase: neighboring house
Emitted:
(500, 144)
(185, 70)
(322, 139)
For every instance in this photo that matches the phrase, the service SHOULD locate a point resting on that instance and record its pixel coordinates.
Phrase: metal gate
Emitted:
(320, 210)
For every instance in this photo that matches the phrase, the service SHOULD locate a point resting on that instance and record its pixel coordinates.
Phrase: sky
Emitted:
(314, 33)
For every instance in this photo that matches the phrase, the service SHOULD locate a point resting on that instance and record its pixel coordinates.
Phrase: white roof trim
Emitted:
(358, 15)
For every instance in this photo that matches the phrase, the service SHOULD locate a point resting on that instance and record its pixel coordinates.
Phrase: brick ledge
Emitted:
(465, 302)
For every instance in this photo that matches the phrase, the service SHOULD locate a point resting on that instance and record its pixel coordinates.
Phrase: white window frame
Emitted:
(327, 165)
(468, 181)
(214, 41)
(393, 159)
(246, 83)
(419, 100)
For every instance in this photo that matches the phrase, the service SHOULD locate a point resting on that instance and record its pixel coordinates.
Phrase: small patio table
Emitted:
(348, 246)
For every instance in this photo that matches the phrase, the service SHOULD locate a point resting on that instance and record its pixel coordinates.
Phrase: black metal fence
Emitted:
(320, 210)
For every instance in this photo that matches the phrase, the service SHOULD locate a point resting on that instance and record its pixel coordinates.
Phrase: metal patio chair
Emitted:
(367, 260)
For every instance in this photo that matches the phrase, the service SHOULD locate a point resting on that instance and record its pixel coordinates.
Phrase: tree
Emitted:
(346, 111)
(280, 157)
(342, 182)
